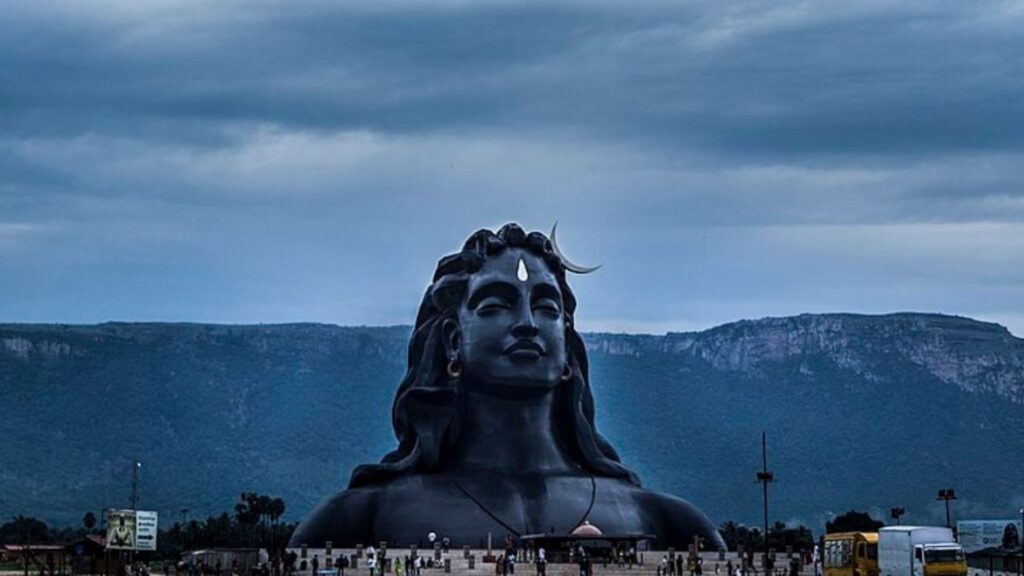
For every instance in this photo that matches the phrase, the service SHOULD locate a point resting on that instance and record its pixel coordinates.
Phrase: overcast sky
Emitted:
(251, 162)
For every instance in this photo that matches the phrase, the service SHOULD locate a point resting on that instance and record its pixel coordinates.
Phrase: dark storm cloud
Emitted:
(321, 66)
(744, 79)
(240, 161)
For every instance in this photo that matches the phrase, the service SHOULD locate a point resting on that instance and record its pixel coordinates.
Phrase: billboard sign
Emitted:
(121, 529)
(145, 530)
(975, 535)
(131, 530)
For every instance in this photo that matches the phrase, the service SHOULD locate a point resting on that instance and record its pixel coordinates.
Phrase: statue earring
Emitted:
(566, 373)
(454, 367)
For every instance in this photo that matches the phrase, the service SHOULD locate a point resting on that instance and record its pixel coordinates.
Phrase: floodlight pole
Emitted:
(947, 494)
(184, 519)
(897, 513)
(1020, 565)
(765, 477)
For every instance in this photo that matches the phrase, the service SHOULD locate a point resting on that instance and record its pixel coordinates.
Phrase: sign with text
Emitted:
(145, 530)
(977, 535)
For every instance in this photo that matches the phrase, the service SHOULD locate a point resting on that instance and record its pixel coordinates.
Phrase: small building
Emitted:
(222, 561)
(996, 560)
(598, 545)
(45, 558)
(89, 555)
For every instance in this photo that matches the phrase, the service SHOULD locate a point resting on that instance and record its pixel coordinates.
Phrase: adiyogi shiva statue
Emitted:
(495, 419)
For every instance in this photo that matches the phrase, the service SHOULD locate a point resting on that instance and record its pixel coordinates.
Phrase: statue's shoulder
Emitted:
(360, 515)
(348, 516)
(679, 518)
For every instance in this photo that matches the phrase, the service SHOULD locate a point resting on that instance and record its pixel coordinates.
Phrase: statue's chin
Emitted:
(519, 388)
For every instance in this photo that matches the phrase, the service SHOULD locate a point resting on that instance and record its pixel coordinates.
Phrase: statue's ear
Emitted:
(452, 337)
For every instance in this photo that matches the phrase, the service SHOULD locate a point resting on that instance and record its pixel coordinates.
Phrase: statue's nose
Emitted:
(524, 327)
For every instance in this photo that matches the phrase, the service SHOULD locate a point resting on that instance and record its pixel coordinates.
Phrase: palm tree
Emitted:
(263, 508)
(275, 510)
(730, 532)
(89, 521)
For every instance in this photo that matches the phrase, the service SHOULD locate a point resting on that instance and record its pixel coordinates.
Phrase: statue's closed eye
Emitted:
(493, 303)
(547, 305)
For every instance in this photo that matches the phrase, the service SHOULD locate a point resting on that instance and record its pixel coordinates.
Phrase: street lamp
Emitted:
(947, 494)
(897, 512)
(135, 484)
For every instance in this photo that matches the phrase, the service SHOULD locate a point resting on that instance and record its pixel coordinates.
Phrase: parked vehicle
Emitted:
(851, 554)
(919, 551)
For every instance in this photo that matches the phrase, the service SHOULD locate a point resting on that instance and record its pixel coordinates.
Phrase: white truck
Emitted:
(919, 551)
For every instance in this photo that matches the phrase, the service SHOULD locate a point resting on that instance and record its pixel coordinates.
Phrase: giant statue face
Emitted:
(510, 332)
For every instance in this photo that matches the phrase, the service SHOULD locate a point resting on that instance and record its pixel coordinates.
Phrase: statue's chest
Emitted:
(527, 504)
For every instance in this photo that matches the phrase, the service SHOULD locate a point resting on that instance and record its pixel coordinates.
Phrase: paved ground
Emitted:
(649, 567)
(651, 562)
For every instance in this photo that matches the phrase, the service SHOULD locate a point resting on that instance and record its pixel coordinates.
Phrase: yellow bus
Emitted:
(851, 554)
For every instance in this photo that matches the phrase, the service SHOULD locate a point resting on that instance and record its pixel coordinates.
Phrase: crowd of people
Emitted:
(515, 554)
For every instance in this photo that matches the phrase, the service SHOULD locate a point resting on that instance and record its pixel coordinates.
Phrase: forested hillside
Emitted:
(861, 412)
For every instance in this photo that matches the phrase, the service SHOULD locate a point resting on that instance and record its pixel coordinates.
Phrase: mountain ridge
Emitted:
(290, 409)
(952, 354)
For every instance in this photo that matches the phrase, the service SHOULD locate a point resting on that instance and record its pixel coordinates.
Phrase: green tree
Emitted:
(732, 533)
(23, 530)
(799, 537)
(853, 521)
(89, 521)
(276, 509)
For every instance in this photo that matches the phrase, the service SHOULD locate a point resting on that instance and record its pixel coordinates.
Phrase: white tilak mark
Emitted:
(521, 272)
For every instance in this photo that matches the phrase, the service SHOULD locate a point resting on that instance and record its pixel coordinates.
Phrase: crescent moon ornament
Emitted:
(565, 261)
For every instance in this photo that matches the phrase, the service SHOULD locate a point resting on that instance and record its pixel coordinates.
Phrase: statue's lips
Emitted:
(525, 351)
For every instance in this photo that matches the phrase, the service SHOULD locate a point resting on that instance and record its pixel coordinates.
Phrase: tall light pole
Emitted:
(136, 466)
(765, 477)
(184, 518)
(1020, 565)
(947, 494)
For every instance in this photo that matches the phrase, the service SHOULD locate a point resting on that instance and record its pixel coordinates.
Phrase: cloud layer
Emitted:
(266, 161)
